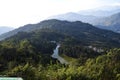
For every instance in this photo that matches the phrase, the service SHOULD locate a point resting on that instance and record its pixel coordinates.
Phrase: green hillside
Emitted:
(27, 53)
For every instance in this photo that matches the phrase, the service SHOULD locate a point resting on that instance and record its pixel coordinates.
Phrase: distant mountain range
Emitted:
(84, 33)
(71, 16)
(5, 29)
(98, 13)
(101, 12)
(110, 23)
(105, 19)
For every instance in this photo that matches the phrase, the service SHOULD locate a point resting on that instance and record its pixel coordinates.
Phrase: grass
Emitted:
(70, 60)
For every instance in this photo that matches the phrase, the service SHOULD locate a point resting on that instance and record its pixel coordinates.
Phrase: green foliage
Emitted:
(28, 54)
(103, 67)
(27, 72)
(77, 51)
(57, 30)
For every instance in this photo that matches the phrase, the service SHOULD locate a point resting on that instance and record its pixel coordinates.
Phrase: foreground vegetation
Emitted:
(104, 67)
(28, 54)
(25, 61)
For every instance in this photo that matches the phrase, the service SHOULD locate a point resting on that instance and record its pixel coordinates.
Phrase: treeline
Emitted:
(13, 54)
(77, 51)
(104, 67)
(28, 55)
(25, 59)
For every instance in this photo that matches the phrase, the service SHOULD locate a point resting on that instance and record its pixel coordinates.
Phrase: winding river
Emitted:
(56, 55)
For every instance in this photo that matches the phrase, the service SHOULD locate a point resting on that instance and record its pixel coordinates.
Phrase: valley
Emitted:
(60, 39)
(84, 52)
(56, 55)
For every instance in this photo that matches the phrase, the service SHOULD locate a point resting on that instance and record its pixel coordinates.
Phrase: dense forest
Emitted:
(28, 54)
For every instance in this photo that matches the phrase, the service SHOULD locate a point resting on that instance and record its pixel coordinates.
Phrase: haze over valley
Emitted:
(5, 29)
(60, 40)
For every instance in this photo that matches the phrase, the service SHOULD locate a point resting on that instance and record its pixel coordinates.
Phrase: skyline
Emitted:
(16, 13)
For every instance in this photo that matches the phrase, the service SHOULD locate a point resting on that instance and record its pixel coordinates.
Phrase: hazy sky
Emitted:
(17, 13)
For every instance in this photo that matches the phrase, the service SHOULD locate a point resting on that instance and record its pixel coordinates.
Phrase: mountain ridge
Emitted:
(72, 16)
(84, 32)
(110, 23)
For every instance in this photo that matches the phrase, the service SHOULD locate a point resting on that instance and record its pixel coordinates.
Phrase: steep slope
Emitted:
(27, 53)
(110, 23)
(26, 28)
(82, 32)
(5, 29)
(103, 17)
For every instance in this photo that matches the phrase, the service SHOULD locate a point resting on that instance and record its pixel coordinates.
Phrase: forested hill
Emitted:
(27, 53)
(83, 32)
